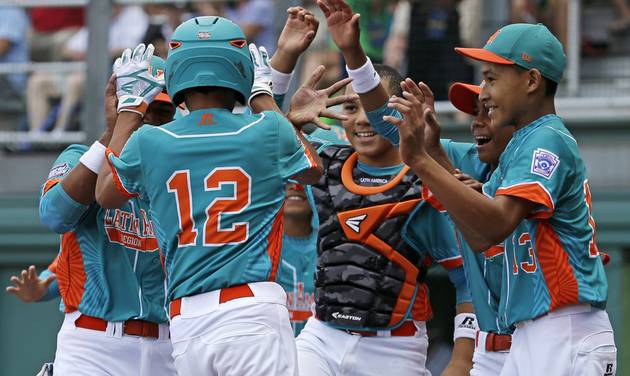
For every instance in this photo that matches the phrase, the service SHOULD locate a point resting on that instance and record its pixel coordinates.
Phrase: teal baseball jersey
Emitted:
(296, 274)
(215, 185)
(551, 260)
(484, 271)
(108, 265)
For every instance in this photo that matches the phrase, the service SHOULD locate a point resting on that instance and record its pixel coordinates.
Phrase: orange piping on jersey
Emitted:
(274, 243)
(358, 226)
(49, 184)
(421, 310)
(53, 265)
(451, 263)
(311, 160)
(299, 316)
(71, 272)
(555, 266)
(533, 192)
(429, 197)
(119, 185)
(495, 250)
(348, 181)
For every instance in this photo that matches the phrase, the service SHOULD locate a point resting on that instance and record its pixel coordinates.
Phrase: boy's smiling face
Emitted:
(504, 93)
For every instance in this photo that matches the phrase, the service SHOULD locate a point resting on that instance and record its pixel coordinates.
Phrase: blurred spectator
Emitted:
(375, 21)
(163, 19)
(623, 22)
(13, 49)
(433, 35)
(126, 30)
(255, 17)
(395, 48)
(51, 29)
(552, 13)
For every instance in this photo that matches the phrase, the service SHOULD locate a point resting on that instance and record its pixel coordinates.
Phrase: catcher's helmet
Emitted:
(208, 51)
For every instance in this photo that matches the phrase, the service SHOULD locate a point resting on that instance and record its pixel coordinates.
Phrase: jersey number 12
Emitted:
(213, 233)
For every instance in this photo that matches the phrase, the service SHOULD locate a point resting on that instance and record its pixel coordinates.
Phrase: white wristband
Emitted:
(465, 326)
(281, 81)
(94, 157)
(365, 78)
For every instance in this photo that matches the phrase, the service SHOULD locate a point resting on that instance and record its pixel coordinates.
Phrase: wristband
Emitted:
(365, 78)
(94, 157)
(281, 81)
(465, 326)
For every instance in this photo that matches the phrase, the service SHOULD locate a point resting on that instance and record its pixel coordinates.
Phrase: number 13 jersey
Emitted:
(215, 183)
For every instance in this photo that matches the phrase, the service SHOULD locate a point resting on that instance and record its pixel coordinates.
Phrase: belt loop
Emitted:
(165, 334)
(115, 329)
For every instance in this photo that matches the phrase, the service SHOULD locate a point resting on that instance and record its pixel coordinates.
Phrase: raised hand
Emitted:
(111, 105)
(298, 32)
(411, 127)
(28, 287)
(135, 85)
(343, 24)
(424, 94)
(308, 104)
(262, 72)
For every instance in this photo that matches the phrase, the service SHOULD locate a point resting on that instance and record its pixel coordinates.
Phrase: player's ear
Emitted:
(534, 81)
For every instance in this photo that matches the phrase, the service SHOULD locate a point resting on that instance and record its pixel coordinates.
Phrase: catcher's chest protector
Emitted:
(367, 276)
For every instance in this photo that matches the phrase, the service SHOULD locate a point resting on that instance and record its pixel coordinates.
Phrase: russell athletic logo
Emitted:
(355, 222)
(468, 323)
(343, 316)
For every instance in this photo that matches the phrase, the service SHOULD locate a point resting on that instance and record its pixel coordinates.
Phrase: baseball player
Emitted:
(538, 201)
(296, 271)
(372, 259)
(215, 184)
(108, 271)
(473, 164)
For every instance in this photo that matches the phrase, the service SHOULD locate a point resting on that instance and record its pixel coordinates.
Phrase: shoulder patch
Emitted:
(544, 163)
(59, 170)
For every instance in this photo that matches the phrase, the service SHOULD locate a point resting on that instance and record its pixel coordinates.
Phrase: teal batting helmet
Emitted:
(208, 51)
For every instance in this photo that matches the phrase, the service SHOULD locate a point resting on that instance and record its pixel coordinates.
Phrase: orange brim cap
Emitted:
(482, 54)
(464, 97)
(163, 97)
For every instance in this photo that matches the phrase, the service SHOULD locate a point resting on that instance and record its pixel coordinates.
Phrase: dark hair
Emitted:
(179, 98)
(392, 77)
(551, 87)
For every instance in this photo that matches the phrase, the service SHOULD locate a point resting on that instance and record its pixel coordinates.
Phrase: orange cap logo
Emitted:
(526, 57)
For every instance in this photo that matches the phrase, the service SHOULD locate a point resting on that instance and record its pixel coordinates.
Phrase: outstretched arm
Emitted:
(471, 210)
(134, 96)
(28, 287)
(343, 26)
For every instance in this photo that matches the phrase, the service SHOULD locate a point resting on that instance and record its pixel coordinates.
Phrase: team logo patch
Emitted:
(544, 163)
(58, 171)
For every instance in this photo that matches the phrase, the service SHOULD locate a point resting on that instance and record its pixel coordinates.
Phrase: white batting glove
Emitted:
(262, 72)
(136, 86)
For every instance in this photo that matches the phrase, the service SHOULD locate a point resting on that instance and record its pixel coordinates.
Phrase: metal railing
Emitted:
(573, 108)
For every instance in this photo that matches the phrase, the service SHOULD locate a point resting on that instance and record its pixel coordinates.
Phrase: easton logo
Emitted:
(355, 222)
(343, 316)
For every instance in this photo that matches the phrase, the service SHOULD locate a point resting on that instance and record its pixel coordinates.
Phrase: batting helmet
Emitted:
(208, 51)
